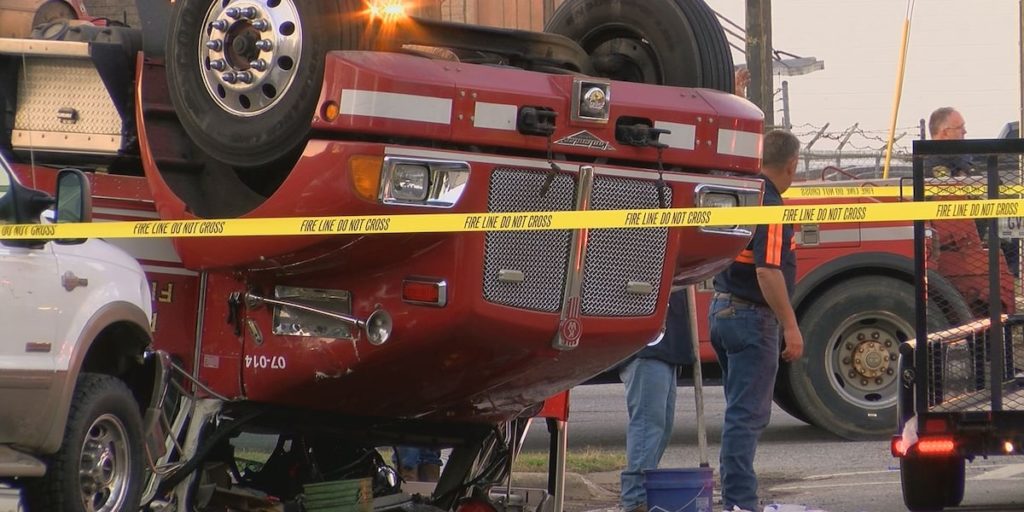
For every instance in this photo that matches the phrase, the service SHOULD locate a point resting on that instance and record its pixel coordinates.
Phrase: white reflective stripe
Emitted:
(682, 136)
(179, 271)
(122, 212)
(151, 249)
(496, 116)
(836, 236)
(532, 163)
(391, 105)
(737, 143)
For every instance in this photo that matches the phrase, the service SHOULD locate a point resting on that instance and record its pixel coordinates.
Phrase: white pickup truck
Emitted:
(75, 375)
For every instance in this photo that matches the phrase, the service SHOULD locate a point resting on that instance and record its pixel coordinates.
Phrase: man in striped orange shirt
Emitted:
(751, 304)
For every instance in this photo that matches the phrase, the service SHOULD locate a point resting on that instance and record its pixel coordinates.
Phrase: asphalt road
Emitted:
(796, 463)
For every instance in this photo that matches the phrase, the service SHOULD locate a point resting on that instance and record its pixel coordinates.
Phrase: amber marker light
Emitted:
(330, 111)
(365, 172)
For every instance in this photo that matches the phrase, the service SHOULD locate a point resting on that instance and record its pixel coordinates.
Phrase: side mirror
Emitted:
(74, 197)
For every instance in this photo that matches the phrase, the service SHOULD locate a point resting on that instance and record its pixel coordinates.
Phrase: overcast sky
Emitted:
(962, 53)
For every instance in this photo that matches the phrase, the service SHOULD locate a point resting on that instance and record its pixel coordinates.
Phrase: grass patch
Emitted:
(587, 460)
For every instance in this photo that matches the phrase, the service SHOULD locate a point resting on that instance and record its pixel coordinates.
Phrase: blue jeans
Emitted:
(410, 457)
(746, 339)
(651, 404)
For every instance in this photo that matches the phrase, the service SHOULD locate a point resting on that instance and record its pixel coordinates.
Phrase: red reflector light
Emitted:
(896, 446)
(936, 446)
(434, 293)
(935, 425)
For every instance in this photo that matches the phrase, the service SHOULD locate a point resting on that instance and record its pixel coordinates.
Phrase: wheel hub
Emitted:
(249, 52)
(103, 466)
(863, 361)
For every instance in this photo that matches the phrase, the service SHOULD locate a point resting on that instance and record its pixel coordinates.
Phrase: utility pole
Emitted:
(759, 58)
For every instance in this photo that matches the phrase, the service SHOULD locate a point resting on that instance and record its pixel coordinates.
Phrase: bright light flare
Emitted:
(388, 11)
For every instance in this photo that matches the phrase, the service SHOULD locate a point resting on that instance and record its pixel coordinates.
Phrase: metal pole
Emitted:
(995, 305)
(1020, 37)
(786, 123)
(759, 58)
(698, 378)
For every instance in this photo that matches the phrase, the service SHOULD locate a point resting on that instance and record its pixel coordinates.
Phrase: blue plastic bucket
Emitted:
(679, 490)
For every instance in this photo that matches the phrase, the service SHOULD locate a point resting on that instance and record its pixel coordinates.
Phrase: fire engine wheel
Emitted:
(932, 483)
(245, 75)
(846, 382)
(99, 465)
(670, 42)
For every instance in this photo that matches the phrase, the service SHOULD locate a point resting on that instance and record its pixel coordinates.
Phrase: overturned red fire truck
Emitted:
(341, 344)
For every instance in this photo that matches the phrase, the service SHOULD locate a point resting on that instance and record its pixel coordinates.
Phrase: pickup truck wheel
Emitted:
(669, 42)
(99, 464)
(245, 76)
(932, 483)
(846, 382)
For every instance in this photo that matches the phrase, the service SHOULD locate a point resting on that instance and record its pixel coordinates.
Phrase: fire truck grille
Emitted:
(617, 257)
(526, 269)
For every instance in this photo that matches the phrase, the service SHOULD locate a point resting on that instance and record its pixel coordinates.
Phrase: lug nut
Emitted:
(229, 77)
(888, 343)
(878, 381)
(220, 25)
(244, 12)
(860, 336)
(264, 45)
(889, 371)
(849, 346)
(218, 65)
(875, 335)
(863, 382)
(258, 65)
(215, 44)
(244, 77)
(846, 360)
(261, 25)
(853, 374)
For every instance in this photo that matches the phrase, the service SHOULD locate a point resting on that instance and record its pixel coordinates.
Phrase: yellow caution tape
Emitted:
(527, 221)
(905, 191)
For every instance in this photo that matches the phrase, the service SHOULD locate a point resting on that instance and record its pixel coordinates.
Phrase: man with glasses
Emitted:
(947, 124)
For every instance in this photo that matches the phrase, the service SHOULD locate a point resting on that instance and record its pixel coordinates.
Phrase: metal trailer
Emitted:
(962, 393)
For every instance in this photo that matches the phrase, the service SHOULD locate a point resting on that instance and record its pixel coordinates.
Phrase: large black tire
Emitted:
(259, 123)
(931, 483)
(846, 381)
(100, 460)
(669, 42)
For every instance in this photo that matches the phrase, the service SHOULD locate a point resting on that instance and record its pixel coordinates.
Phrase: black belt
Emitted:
(732, 298)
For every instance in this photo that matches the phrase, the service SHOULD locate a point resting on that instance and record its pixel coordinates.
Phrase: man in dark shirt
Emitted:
(751, 303)
(947, 124)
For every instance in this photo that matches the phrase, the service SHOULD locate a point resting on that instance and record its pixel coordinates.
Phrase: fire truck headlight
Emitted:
(426, 182)
(718, 200)
(409, 182)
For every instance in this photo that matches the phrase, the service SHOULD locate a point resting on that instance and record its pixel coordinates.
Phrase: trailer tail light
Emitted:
(428, 292)
(926, 446)
(896, 446)
(475, 505)
(936, 446)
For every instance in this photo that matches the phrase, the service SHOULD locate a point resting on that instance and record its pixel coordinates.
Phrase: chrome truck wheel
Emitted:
(846, 382)
(248, 53)
(670, 42)
(245, 75)
(99, 465)
(104, 464)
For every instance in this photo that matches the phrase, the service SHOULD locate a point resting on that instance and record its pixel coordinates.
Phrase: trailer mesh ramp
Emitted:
(959, 368)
